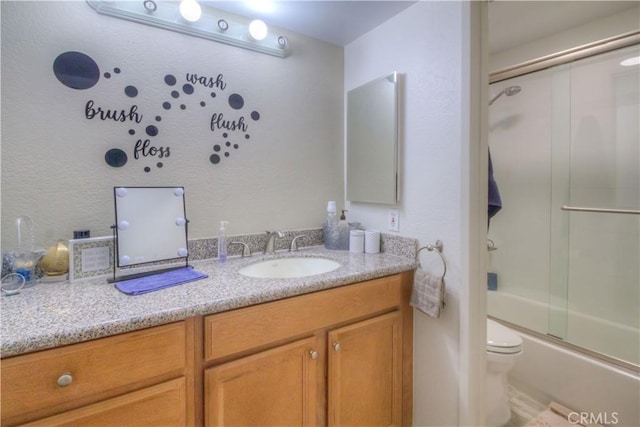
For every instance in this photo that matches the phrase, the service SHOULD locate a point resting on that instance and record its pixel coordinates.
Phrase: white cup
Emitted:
(372, 241)
(356, 241)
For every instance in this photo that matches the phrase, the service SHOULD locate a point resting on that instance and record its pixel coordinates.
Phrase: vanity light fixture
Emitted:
(258, 30)
(150, 5)
(188, 17)
(190, 10)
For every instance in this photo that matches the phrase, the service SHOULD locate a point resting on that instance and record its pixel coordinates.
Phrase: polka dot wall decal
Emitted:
(131, 91)
(187, 88)
(227, 116)
(76, 70)
(151, 130)
(115, 158)
(170, 80)
(107, 75)
(236, 101)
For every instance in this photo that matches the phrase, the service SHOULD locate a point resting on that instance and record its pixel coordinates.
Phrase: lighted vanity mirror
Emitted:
(150, 226)
(372, 141)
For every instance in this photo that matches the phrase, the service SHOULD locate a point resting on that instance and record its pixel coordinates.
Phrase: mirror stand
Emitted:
(150, 229)
(125, 277)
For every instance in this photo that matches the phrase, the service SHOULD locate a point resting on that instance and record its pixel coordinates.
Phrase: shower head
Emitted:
(509, 91)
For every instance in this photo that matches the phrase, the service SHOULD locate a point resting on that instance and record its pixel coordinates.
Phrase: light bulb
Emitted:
(258, 30)
(190, 10)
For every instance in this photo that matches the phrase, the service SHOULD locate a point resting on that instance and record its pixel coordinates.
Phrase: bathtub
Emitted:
(607, 393)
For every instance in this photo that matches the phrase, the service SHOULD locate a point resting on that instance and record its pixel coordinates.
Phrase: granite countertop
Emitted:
(49, 315)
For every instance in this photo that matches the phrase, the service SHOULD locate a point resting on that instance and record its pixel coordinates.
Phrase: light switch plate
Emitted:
(393, 220)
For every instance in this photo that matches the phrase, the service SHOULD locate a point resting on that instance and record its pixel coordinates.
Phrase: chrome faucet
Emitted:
(294, 243)
(269, 248)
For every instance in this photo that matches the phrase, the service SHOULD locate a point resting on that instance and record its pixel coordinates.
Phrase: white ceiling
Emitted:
(336, 22)
(511, 23)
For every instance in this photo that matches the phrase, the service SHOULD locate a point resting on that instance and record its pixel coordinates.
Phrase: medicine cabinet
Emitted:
(372, 141)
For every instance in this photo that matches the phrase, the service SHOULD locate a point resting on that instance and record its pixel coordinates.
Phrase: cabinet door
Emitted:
(155, 406)
(274, 387)
(365, 373)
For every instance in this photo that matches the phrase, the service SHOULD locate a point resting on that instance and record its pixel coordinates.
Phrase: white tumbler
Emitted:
(356, 241)
(372, 241)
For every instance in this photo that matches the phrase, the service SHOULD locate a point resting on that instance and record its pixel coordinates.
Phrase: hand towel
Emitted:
(155, 282)
(495, 202)
(428, 293)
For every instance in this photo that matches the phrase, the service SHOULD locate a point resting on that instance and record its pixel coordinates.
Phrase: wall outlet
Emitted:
(393, 220)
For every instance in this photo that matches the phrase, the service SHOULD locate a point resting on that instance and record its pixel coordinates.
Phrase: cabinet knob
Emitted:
(336, 346)
(65, 379)
(313, 354)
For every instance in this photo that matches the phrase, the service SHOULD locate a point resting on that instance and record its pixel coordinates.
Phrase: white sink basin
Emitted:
(283, 268)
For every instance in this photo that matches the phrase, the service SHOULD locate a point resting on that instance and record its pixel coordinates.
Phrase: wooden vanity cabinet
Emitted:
(342, 356)
(336, 357)
(140, 378)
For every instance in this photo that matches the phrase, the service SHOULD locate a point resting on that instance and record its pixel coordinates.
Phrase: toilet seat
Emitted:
(501, 339)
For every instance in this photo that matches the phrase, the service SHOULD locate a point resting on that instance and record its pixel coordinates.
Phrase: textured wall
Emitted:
(53, 153)
(424, 44)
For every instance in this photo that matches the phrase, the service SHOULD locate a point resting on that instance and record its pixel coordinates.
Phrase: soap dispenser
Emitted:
(330, 227)
(222, 242)
(343, 232)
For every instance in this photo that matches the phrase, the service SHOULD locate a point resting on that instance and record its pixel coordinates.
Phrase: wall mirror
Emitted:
(150, 226)
(372, 141)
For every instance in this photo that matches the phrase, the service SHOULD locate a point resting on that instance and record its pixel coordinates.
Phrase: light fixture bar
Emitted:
(167, 16)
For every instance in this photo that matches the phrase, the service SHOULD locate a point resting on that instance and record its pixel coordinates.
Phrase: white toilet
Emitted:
(503, 348)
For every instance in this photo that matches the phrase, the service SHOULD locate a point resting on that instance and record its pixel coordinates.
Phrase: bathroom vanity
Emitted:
(334, 349)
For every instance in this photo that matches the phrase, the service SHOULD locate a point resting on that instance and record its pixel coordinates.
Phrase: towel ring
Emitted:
(438, 249)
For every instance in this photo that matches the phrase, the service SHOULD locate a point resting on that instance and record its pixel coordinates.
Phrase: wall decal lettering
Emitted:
(225, 124)
(117, 116)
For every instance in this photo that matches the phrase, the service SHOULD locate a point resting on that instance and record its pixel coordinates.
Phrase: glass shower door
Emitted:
(595, 230)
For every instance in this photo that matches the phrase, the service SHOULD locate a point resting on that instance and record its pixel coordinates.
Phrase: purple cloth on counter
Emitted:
(495, 202)
(155, 282)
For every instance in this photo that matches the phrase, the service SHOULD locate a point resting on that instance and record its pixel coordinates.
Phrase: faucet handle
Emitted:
(294, 242)
(246, 252)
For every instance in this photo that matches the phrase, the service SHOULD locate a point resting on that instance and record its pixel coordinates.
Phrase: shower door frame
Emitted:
(569, 55)
(556, 59)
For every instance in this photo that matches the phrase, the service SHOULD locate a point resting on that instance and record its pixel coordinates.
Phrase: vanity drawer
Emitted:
(257, 326)
(90, 371)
